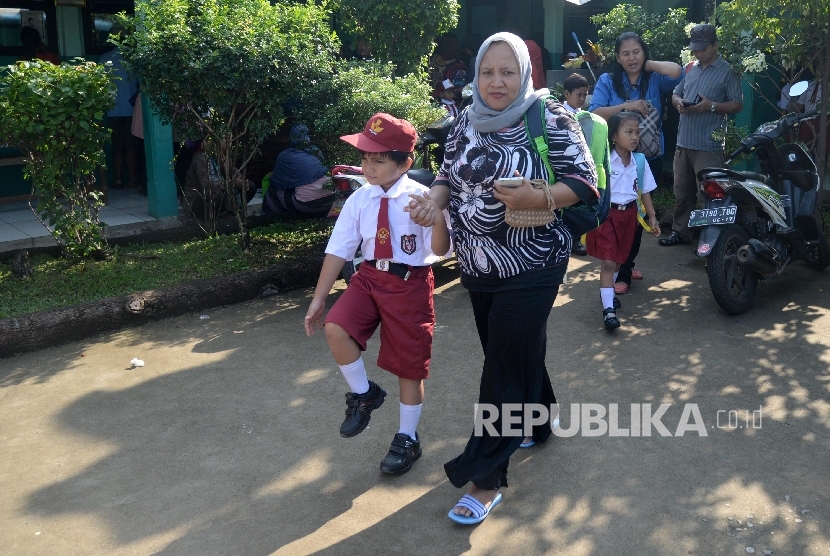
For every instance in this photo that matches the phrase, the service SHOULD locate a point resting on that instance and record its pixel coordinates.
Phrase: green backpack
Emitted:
(580, 218)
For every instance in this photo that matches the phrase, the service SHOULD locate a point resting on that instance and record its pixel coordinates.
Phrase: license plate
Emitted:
(336, 208)
(710, 217)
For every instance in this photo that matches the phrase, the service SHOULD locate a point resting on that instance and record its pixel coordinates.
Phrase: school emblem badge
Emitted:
(382, 235)
(408, 244)
(375, 128)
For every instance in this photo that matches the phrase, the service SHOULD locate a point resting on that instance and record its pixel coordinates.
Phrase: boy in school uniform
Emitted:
(576, 93)
(392, 287)
(445, 92)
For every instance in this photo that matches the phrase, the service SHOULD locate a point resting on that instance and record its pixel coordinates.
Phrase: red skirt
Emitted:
(612, 241)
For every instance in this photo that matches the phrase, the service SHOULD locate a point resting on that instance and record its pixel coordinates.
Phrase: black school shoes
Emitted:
(359, 409)
(402, 454)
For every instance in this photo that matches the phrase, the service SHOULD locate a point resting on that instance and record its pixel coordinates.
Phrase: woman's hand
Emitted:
(639, 106)
(522, 197)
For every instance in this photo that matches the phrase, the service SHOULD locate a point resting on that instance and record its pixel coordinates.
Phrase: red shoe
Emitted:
(636, 275)
(620, 288)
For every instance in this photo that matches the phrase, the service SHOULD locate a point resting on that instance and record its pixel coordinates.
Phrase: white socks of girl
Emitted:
(607, 296)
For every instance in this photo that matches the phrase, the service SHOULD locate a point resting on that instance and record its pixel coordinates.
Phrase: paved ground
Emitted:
(226, 441)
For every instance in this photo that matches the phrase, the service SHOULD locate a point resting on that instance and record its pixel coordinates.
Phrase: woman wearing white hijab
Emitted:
(512, 274)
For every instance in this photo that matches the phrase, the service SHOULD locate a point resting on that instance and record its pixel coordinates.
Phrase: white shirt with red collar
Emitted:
(624, 180)
(358, 222)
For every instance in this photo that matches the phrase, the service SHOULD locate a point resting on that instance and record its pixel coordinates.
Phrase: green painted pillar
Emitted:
(158, 148)
(746, 117)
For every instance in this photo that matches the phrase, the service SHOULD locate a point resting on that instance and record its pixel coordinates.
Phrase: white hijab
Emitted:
(483, 118)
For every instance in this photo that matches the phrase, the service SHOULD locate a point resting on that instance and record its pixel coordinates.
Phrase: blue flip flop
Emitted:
(531, 443)
(478, 509)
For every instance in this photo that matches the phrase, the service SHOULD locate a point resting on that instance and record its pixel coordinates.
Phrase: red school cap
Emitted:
(383, 133)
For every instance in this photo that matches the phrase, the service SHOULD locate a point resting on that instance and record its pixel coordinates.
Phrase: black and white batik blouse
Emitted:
(486, 247)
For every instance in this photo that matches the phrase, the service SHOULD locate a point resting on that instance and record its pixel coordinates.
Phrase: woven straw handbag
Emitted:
(532, 217)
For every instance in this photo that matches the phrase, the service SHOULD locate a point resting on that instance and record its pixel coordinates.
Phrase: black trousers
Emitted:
(656, 167)
(512, 327)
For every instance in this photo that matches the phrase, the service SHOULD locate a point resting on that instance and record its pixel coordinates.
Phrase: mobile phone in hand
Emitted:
(510, 182)
(688, 103)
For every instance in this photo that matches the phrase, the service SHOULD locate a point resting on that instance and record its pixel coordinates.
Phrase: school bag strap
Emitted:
(640, 161)
(581, 217)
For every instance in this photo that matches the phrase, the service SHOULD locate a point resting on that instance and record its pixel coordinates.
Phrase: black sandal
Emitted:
(610, 322)
(672, 239)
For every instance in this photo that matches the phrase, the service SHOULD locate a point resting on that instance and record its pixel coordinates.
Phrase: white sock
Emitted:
(355, 375)
(607, 296)
(410, 415)
(615, 276)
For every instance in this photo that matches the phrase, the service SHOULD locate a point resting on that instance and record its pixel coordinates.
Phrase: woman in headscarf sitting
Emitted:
(297, 183)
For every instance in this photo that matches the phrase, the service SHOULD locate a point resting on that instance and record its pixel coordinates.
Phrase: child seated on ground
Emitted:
(393, 287)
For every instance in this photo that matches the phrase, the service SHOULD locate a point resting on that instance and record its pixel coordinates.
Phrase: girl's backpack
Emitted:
(580, 218)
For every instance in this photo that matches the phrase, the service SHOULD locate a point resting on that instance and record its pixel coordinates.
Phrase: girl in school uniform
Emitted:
(612, 241)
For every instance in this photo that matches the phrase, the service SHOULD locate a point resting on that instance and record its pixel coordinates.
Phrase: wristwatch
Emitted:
(714, 105)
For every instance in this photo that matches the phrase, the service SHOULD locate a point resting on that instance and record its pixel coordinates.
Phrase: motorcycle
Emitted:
(755, 224)
(348, 179)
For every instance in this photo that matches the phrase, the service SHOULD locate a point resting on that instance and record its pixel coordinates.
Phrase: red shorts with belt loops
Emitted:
(403, 309)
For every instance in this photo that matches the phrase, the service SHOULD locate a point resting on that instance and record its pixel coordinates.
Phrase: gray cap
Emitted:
(702, 36)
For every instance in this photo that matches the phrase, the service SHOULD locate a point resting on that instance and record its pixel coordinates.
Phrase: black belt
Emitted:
(626, 206)
(398, 269)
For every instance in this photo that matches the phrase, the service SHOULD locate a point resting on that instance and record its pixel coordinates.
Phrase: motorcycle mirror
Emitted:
(797, 89)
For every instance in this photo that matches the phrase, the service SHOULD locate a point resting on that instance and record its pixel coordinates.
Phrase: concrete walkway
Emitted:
(226, 441)
(125, 214)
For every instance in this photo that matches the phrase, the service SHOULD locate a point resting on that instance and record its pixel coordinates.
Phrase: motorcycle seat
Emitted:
(422, 176)
(757, 177)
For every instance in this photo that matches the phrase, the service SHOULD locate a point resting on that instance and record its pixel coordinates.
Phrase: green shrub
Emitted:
(399, 31)
(53, 114)
(227, 68)
(665, 34)
(344, 103)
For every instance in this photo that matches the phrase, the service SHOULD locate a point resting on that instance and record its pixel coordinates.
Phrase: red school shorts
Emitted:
(404, 310)
(612, 241)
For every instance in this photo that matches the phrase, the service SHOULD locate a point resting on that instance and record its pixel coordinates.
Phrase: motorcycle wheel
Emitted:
(351, 266)
(733, 285)
(818, 255)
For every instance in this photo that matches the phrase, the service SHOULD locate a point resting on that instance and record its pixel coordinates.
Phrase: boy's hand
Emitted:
(654, 224)
(314, 317)
(422, 210)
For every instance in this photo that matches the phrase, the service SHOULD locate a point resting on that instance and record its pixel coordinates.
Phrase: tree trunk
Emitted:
(52, 327)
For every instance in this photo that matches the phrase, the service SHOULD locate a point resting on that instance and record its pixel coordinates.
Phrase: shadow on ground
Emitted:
(227, 441)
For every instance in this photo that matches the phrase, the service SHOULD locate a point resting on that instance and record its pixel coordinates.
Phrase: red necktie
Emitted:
(383, 238)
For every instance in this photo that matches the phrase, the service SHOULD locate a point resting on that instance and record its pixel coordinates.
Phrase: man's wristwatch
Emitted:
(714, 105)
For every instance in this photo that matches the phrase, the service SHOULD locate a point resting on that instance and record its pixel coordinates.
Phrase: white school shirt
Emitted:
(624, 180)
(357, 225)
(811, 98)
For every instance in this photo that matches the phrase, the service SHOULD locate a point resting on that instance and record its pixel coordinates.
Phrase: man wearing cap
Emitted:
(710, 92)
